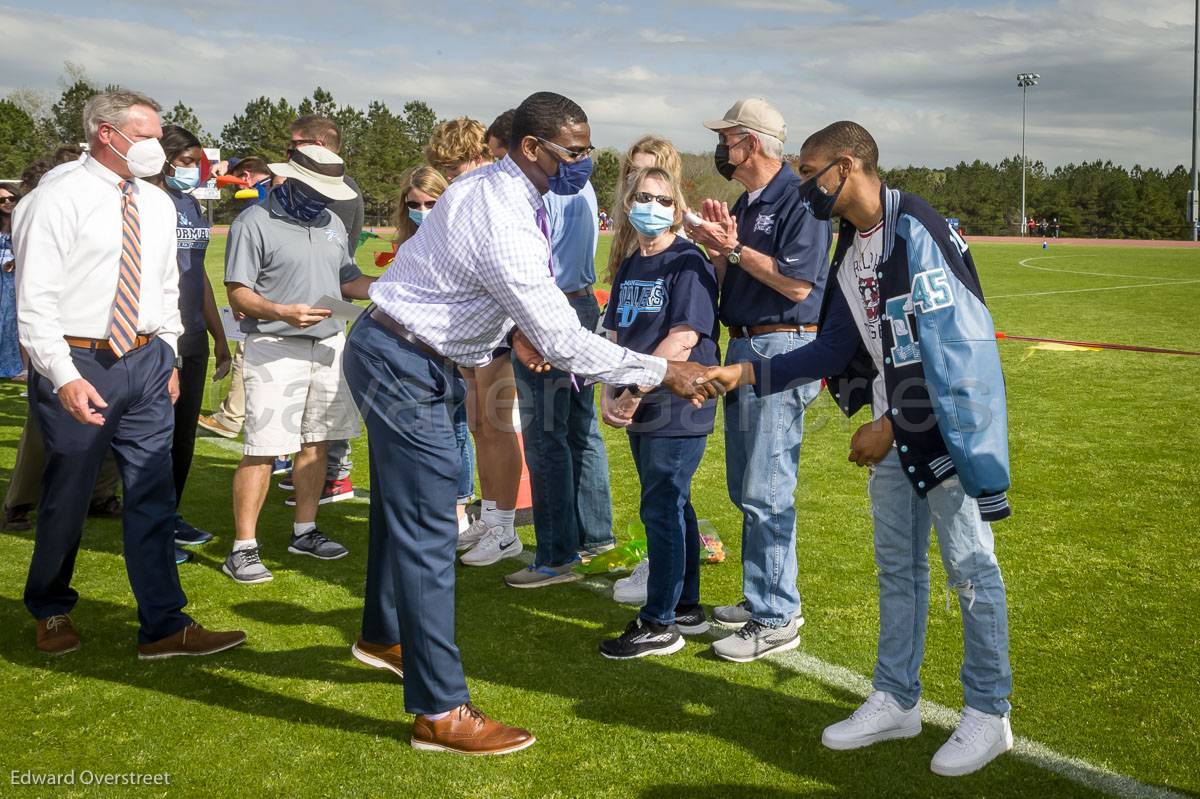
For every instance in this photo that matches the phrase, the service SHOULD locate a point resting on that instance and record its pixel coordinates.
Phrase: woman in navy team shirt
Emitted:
(664, 302)
(197, 309)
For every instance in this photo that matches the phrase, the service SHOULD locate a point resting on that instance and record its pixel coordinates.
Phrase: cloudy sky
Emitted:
(933, 80)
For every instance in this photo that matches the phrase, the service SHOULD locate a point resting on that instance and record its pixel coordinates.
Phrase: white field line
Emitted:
(1026, 262)
(1075, 769)
(1084, 291)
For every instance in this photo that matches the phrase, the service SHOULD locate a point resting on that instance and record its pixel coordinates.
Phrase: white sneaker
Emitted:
(631, 590)
(470, 537)
(497, 543)
(980, 739)
(880, 718)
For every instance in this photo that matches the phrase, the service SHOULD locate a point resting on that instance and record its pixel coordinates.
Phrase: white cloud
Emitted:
(936, 86)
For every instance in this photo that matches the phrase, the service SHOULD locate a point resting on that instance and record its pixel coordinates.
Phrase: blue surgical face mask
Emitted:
(301, 202)
(650, 218)
(417, 215)
(571, 177)
(185, 178)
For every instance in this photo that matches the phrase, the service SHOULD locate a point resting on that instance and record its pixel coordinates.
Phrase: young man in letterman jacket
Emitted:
(906, 331)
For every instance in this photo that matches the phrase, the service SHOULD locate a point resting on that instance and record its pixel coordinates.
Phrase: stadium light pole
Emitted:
(1194, 194)
(1025, 80)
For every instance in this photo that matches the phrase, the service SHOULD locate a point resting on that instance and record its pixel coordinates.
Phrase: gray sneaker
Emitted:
(538, 576)
(756, 640)
(317, 545)
(245, 566)
(734, 616)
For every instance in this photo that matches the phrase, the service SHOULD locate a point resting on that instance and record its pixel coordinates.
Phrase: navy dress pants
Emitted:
(407, 400)
(138, 426)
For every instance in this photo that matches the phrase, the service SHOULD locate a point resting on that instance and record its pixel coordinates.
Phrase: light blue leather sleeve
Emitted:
(957, 343)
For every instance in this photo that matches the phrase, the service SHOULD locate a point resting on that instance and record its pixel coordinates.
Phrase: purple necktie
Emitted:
(543, 222)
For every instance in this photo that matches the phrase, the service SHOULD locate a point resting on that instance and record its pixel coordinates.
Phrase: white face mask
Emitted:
(145, 158)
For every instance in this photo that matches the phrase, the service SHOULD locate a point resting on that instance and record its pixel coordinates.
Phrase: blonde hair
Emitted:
(421, 178)
(633, 185)
(457, 141)
(666, 157)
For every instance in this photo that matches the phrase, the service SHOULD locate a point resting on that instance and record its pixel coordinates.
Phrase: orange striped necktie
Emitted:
(123, 333)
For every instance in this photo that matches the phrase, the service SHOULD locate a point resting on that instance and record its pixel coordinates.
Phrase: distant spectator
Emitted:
(10, 349)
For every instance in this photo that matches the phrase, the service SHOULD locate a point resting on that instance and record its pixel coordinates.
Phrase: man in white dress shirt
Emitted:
(98, 312)
(478, 264)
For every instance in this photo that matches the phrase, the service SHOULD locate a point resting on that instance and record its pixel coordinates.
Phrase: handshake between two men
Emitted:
(690, 381)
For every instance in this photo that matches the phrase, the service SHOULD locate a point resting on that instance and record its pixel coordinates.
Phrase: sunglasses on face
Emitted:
(413, 205)
(570, 155)
(8, 199)
(647, 197)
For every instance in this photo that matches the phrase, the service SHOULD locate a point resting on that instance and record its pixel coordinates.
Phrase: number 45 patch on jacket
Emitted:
(931, 291)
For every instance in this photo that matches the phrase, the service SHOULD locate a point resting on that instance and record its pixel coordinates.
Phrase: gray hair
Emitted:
(771, 146)
(112, 108)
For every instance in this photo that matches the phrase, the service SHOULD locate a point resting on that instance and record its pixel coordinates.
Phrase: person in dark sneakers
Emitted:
(198, 312)
(281, 259)
(905, 332)
(664, 303)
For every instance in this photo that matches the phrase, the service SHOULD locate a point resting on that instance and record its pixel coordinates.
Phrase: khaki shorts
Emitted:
(295, 393)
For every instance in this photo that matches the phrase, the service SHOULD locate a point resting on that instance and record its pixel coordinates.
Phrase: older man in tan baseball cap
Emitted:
(771, 256)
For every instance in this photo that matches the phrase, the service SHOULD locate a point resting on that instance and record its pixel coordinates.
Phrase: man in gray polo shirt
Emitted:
(281, 258)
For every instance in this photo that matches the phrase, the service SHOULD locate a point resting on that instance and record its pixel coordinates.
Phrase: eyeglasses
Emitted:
(7, 200)
(735, 142)
(571, 155)
(647, 197)
(413, 205)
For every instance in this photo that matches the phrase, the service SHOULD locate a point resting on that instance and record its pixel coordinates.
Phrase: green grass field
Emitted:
(1100, 562)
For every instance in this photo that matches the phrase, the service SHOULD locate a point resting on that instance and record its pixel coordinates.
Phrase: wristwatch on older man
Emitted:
(735, 255)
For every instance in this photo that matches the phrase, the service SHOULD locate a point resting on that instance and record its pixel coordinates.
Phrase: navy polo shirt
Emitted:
(780, 225)
(650, 296)
(192, 233)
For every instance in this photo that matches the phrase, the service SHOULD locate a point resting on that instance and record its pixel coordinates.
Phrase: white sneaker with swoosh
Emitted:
(495, 545)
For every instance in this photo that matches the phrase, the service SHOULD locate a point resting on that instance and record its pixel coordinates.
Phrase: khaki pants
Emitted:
(232, 411)
(25, 486)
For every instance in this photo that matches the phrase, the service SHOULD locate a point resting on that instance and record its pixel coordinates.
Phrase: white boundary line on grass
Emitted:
(1026, 262)
(1083, 291)
(1075, 769)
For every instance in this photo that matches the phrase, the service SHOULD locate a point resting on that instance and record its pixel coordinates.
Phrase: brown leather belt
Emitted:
(104, 344)
(575, 295)
(738, 331)
(405, 334)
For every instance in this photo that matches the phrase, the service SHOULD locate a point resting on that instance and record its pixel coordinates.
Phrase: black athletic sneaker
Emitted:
(314, 543)
(691, 621)
(642, 638)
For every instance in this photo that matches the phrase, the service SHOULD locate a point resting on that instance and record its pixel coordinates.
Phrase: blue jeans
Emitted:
(406, 400)
(762, 456)
(568, 465)
(665, 466)
(466, 455)
(902, 523)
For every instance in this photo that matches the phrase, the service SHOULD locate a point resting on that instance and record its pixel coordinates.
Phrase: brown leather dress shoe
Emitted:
(466, 731)
(109, 508)
(191, 640)
(379, 656)
(56, 635)
(17, 518)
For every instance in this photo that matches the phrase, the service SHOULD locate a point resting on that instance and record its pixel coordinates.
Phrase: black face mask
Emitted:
(721, 159)
(818, 201)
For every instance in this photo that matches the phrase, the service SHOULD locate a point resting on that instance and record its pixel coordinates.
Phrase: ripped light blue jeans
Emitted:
(902, 526)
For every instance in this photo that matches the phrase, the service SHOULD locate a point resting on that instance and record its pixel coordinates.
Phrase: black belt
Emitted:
(400, 331)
